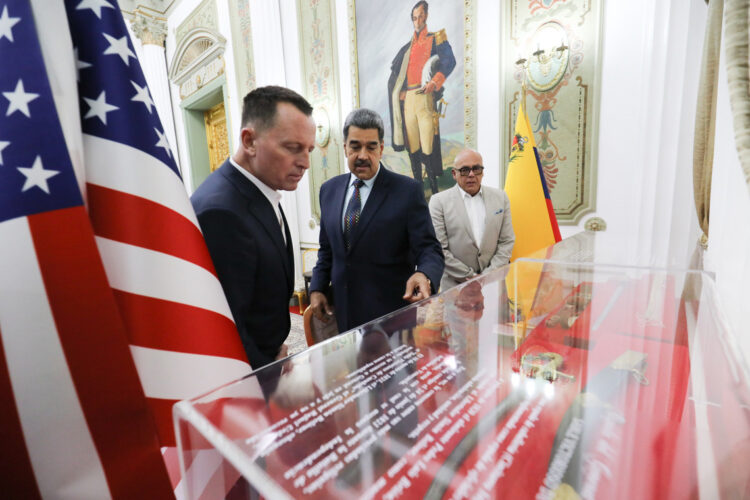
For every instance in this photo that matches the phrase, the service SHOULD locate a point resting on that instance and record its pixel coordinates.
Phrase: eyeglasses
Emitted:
(464, 171)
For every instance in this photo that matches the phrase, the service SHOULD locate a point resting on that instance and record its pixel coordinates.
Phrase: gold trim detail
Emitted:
(595, 224)
(217, 140)
(440, 36)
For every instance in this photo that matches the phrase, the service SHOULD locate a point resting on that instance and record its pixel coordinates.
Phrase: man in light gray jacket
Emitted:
(472, 223)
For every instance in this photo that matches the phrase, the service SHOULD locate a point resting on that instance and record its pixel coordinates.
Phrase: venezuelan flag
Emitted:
(534, 220)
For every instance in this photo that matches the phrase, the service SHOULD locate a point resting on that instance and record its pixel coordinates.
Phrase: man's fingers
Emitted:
(410, 285)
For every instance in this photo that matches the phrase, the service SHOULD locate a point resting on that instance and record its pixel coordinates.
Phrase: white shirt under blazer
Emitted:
(465, 258)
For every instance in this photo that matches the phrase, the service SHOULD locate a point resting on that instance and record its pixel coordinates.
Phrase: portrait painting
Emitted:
(411, 67)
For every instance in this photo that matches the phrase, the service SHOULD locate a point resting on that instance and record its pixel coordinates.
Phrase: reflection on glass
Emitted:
(553, 378)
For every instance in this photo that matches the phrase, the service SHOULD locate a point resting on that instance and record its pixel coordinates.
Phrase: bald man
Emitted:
(472, 223)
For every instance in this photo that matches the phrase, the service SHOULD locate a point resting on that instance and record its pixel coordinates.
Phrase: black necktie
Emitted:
(351, 216)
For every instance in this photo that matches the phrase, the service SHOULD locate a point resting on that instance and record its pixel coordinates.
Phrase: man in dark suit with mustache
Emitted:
(378, 248)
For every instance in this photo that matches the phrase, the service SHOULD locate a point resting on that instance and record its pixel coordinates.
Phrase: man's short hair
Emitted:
(422, 4)
(364, 118)
(259, 105)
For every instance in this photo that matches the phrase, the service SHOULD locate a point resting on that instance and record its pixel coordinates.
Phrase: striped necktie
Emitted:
(351, 216)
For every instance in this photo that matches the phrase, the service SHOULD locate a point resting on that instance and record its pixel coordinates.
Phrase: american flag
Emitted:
(181, 331)
(74, 418)
(178, 325)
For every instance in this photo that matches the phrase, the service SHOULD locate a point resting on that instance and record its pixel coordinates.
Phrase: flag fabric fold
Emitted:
(98, 307)
(534, 221)
(74, 417)
(181, 330)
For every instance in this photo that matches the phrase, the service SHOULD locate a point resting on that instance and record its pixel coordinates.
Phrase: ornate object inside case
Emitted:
(550, 378)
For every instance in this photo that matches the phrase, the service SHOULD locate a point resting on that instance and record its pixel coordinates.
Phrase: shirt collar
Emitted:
(272, 195)
(369, 182)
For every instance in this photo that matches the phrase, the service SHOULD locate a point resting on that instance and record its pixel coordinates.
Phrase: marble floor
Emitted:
(296, 341)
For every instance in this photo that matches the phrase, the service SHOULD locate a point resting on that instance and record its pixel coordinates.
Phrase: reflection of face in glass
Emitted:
(374, 345)
(470, 301)
(295, 387)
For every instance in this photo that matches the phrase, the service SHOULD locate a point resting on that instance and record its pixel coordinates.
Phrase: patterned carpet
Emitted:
(296, 341)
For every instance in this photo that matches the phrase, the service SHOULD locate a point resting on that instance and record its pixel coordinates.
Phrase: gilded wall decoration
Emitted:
(554, 46)
(239, 14)
(393, 69)
(320, 80)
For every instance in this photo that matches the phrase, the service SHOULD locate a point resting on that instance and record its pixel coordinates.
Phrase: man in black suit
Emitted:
(377, 245)
(243, 224)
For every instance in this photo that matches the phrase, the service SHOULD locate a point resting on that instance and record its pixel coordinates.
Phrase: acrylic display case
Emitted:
(556, 377)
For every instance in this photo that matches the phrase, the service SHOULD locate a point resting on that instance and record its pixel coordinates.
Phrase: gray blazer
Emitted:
(462, 257)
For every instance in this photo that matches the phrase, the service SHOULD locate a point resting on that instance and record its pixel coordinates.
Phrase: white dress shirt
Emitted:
(364, 193)
(476, 212)
(273, 196)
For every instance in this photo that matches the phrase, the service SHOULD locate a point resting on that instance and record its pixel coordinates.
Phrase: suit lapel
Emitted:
(338, 198)
(491, 206)
(289, 250)
(261, 210)
(379, 193)
(463, 217)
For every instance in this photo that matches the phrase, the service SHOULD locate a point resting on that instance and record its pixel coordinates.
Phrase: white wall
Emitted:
(728, 253)
(647, 109)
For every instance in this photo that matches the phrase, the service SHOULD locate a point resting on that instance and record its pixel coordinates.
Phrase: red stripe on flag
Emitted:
(553, 220)
(172, 326)
(97, 354)
(17, 475)
(137, 221)
(162, 410)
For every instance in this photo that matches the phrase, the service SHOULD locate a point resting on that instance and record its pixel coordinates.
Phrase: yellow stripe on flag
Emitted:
(532, 222)
(523, 185)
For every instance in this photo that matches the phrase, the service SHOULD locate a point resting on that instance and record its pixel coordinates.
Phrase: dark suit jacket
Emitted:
(394, 235)
(255, 267)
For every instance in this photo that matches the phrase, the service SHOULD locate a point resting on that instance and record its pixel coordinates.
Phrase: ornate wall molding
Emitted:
(204, 16)
(239, 15)
(150, 29)
(555, 47)
(320, 73)
(595, 224)
(470, 74)
(198, 60)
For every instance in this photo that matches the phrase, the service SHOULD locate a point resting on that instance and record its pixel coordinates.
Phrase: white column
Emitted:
(150, 32)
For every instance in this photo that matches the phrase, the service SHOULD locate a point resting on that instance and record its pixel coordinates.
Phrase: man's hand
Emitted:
(429, 88)
(417, 288)
(320, 307)
(283, 352)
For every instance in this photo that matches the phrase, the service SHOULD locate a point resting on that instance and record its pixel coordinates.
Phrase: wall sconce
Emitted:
(322, 127)
(546, 66)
